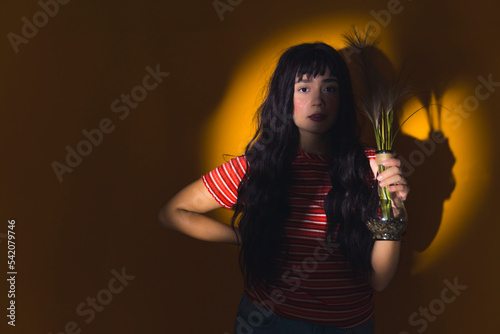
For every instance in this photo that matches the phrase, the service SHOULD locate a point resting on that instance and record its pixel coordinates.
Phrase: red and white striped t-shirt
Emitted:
(316, 283)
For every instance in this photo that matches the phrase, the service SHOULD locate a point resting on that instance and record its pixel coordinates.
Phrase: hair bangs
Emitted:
(317, 62)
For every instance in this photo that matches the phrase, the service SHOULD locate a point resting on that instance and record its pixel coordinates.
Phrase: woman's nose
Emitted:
(317, 99)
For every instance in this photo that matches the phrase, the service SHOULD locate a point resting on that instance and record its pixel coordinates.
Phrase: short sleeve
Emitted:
(223, 182)
(370, 153)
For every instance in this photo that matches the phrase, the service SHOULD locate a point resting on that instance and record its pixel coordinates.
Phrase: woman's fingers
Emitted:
(401, 190)
(393, 178)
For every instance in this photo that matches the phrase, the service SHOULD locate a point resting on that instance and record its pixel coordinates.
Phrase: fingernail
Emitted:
(379, 177)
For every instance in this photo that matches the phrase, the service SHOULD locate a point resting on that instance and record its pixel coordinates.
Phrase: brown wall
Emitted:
(72, 235)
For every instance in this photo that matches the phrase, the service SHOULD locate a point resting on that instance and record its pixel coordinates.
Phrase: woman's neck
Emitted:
(313, 143)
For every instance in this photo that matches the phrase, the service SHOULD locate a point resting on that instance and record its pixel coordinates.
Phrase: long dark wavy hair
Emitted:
(262, 206)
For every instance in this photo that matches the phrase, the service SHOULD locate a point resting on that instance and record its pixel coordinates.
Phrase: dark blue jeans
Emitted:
(253, 319)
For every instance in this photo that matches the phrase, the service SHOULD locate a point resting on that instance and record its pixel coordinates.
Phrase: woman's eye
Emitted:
(303, 89)
(331, 88)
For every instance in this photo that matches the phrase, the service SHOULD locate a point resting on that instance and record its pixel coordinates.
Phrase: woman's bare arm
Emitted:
(185, 213)
(385, 261)
(386, 254)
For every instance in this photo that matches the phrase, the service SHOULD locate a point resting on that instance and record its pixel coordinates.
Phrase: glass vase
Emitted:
(386, 213)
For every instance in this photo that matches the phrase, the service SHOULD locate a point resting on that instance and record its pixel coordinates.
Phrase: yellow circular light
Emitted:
(232, 125)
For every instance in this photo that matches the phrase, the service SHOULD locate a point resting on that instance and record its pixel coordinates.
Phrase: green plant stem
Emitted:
(385, 199)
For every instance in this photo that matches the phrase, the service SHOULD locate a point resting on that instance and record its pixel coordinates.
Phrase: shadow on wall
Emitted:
(427, 165)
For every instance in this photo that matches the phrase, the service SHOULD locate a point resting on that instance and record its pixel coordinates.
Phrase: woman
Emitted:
(299, 194)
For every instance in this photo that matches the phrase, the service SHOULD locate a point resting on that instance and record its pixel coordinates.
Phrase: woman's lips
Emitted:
(317, 117)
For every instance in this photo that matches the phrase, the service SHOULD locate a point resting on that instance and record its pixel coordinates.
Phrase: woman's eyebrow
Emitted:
(331, 79)
(303, 80)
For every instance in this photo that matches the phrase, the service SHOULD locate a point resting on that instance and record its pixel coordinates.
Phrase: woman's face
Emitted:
(316, 103)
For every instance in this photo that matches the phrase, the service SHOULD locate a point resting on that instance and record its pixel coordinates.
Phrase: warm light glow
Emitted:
(469, 139)
(232, 126)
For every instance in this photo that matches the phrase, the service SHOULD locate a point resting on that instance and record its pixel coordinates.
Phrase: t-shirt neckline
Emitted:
(312, 156)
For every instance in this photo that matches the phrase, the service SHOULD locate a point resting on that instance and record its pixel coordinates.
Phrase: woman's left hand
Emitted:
(392, 177)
